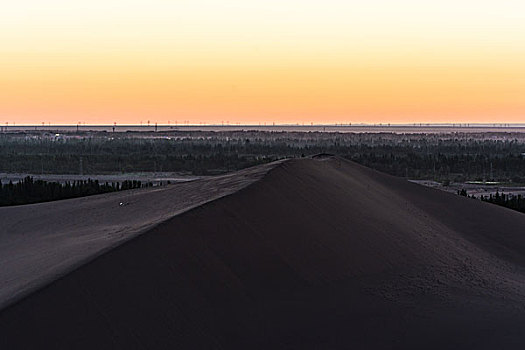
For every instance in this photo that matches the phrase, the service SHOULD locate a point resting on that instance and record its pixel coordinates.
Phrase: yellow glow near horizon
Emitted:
(252, 62)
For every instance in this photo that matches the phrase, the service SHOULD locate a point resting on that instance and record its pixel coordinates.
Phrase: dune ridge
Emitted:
(317, 253)
(42, 242)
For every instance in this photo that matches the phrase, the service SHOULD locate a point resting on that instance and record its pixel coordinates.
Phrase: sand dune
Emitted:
(41, 242)
(319, 253)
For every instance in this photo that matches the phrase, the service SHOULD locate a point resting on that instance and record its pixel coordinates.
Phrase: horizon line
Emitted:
(266, 124)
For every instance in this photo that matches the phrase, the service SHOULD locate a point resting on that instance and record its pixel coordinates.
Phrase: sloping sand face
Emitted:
(319, 253)
(41, 242)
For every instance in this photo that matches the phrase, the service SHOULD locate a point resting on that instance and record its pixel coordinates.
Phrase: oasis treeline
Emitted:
(29, 191)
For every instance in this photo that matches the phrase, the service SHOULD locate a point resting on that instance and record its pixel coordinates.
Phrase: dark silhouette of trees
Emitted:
(29, 190)
(506, 200)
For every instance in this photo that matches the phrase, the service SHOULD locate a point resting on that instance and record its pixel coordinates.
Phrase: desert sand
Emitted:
(309, 254)
(41, 242)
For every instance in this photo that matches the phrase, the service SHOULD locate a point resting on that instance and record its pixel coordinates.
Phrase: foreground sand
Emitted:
(320, 253)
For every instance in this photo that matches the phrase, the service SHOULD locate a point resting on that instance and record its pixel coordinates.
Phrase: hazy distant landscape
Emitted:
(456, 156)
(481, 163)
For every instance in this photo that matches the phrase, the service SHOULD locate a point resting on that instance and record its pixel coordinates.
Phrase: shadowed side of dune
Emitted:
(320, 253)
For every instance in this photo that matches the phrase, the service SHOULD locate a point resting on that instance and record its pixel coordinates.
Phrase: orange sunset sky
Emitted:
(250, 62)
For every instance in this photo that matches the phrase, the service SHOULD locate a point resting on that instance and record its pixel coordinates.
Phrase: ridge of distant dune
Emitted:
(317, 253)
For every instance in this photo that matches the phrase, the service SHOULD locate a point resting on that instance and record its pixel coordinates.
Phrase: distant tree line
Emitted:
(463, 193)
(29, 190)
(507, 201)
(458, 158)
(440, 157)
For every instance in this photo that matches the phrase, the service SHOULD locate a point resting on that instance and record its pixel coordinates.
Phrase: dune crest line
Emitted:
(42, 242)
